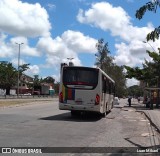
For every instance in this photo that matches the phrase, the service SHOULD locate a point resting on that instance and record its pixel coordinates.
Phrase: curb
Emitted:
(150, 120)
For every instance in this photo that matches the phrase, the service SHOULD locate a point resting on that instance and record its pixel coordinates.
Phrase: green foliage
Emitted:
(118, 76)
(102, 58)
(150, 72)
(105, 62)
(150, 6)
(23, 68)
(37, 82)
(49, 79)
(8, 76)
(135, 73)
(154, 34)
(56, 87)
(135, 91)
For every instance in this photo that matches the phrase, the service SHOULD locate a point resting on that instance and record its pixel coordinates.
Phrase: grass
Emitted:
(14, 102)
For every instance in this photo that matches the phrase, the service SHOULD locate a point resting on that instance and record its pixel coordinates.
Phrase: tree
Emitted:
(49, 79)
(23, 68)
(150, 72)
(37, 81)
(102, 57)
(135, 91)
(8, 76)
(150, 6)
(105, 62)
(118, 76)
(56, 87)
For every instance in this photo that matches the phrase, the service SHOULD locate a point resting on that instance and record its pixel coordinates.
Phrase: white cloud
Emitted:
(51, 6)
(15, 61)
(33, 70)
(134, 53)
(56, 77)
(131, 82)
(78, 42)
(25, 49)
(131, 50)
(130, 1)
(9, 48)
(106, 17)
(68, 45)
(5, 48)
(114, 19)
(23, 19)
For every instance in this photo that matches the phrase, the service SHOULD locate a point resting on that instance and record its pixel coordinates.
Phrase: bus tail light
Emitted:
(97, 101)
(61, 97)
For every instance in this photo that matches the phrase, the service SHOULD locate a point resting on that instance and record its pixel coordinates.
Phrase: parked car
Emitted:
(27, 94)
(116, 101)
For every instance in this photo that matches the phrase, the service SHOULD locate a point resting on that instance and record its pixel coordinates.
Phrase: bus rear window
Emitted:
(79, 77)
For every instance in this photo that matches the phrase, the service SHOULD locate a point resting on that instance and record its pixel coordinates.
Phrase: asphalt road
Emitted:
(42, 124)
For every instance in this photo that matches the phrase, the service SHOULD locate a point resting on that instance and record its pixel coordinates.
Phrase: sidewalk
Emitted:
(152, 115)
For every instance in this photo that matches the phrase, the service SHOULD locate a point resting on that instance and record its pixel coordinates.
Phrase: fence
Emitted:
(26, 96)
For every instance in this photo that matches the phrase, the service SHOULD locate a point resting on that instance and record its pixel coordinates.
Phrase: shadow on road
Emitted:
(84, 117)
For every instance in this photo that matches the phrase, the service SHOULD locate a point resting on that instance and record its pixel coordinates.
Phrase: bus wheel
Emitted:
(104, 114)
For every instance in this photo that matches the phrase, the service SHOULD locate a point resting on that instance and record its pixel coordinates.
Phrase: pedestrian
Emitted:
(129, 101)
(148, 102)
(138, 99)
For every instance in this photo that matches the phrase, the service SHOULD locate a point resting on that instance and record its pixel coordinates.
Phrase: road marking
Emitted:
(146, 134)
(132, 120)
(143, 120)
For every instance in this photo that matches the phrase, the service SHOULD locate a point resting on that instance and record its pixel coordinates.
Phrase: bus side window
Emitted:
(103, 84)
(110, 87)
(113, 89)
(107, 86)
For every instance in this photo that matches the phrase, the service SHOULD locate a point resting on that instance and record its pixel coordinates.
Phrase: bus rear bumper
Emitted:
(90, 108)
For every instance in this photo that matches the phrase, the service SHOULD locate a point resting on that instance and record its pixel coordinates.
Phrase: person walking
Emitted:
(129, 101)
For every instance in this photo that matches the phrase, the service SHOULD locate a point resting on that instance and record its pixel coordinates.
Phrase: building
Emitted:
(26, 84)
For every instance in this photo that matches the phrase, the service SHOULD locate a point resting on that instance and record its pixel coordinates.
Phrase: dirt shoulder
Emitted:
(15, 102)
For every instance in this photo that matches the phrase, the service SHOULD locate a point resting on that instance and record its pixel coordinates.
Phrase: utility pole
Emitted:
(19, 48)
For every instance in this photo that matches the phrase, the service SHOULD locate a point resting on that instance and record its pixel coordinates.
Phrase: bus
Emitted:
(85, 89)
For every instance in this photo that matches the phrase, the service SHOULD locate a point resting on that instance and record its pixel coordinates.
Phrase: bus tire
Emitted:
(104, 114)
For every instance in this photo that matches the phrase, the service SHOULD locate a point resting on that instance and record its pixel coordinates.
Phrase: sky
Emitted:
(53, 30)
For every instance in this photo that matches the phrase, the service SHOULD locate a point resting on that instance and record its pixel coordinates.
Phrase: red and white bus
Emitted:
(85, 89)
